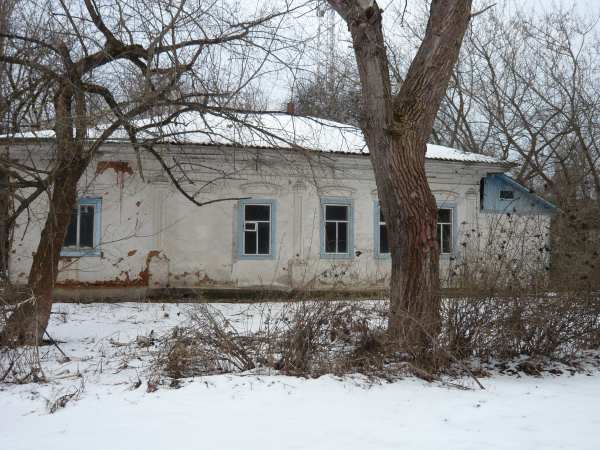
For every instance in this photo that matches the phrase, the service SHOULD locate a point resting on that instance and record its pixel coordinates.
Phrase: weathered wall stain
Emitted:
(119, 167)
(144, 275)
(123, 280)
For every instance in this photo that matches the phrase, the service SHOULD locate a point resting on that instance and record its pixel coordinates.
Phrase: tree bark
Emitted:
(4, 229)
(30, 319)
(396, 129)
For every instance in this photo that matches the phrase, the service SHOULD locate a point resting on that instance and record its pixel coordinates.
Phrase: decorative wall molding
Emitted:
(441, 195)
(299, 186)
(336, 191)
(261, 188)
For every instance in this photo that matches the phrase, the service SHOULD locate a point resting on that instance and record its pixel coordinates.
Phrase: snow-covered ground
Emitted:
(263, 412)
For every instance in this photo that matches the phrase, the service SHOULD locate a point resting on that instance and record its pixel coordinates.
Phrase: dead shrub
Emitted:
(313, 338)
(18, 364)
(63, 399)
(306, 338)
(555, 326)
(502, 306)
(209, 345)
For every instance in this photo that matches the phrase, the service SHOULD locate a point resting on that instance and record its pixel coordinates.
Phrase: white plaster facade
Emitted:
(151, 236)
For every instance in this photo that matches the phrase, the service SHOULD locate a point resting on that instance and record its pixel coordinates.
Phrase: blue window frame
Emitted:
(337, 228)
(447, 229)
(380, 238)
(84, 231)
(256, 225)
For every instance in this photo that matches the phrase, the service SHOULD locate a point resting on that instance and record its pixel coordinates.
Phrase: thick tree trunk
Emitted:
(396, 129)
(4, 228)
(29, 321)
(414, 285)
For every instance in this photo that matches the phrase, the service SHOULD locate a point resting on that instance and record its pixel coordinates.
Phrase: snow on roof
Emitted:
(454, 154)
(272, 130)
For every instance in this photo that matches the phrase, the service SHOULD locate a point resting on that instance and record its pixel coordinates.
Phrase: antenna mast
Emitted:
(326, 43)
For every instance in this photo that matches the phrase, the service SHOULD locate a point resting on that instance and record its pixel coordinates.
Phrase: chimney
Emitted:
(291, 108)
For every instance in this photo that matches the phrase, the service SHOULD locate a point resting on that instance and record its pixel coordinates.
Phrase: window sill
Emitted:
(78, 253)
(337, 256)
(383, 256)
(255, 257)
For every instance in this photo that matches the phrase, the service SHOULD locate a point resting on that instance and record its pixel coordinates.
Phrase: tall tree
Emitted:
(396, 128)
(527, 87)
(6, 10)
(85, 54)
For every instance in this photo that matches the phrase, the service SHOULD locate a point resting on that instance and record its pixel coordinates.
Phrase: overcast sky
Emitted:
(278, 91)
(582, 5)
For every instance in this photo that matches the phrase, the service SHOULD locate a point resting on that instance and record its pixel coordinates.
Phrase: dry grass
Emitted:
(18, 364)
(558, 326)
(306, 338)
(310, 338)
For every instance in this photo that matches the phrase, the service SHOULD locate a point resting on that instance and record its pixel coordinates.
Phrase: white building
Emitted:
(304, 214)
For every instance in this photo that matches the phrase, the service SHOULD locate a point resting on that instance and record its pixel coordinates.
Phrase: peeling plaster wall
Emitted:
(152, 236)
(126, 237)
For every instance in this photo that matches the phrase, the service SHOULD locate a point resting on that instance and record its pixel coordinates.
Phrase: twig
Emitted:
(10, 366)
(475, 14)
(56, 345)
(435, 343)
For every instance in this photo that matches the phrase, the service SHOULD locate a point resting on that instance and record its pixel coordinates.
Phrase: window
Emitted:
(382, 247)
(507, 195)
(257, 229)
(336, 228)
(444, 230)
(256, 239)
(83, 232)
(481, 193)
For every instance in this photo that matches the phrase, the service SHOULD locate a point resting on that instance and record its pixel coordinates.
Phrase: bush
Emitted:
(557, 326)
(313, 338)
(18, 364)
(299, 338)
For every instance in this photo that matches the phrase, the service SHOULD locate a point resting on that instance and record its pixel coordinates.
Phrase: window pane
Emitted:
(342, 237)
(333, 212)
(330, 237)
(383, 240)
(250, 242)
(446, 238)
(444, 215)
(481, 193)
(438, 236)
(71, 238)
(263, 238)
(381, 219)
(86, 226)
(257, 212)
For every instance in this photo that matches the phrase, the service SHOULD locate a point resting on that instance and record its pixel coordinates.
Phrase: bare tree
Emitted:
(396, 128)
(526, 88)
(6, 9)
(105, 66)
(334, 95)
